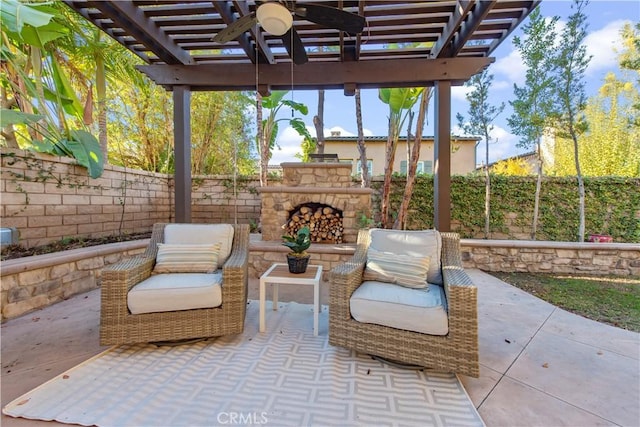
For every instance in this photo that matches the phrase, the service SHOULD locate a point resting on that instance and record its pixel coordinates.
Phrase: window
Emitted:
(424, 167)
(369, 168)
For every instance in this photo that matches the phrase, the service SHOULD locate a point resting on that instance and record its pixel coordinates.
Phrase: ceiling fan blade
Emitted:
(236, 28)
(295, 48)
(332, 18)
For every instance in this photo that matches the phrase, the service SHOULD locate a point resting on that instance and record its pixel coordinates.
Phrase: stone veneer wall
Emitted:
(327, 183)
(48, 198)
(38, 281)
(35, 282)
(618, 259)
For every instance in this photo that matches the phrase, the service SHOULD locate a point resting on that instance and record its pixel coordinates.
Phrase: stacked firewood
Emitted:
(325, 224)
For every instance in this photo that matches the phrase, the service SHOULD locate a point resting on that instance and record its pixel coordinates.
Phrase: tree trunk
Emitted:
(101, 92)
(264, 153)
(581, 227)
(362, 149)
(8, 133)
(409, 138)
(412, 165)
(536, 203)
(318, 122)
(487, 188)
(390, 153)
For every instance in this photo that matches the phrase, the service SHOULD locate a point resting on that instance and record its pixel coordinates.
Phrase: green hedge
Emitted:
(612, 206)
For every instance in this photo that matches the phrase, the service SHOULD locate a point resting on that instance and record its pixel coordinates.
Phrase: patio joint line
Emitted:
(524, 347)
(564, 401)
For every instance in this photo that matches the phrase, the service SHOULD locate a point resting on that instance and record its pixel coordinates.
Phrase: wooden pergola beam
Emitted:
(471, 23)
(453, 25)
(314, 75)
(126, 14)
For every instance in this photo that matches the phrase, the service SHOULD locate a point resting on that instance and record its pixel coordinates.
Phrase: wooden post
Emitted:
(442, 152)
(182, 150)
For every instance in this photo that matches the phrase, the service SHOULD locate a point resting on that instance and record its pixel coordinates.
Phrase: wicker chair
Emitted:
(119, 326)
(455, 352)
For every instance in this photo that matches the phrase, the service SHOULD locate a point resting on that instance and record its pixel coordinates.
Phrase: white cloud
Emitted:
(289, 143)
(511, 68)
(601, 44)
(460, 92)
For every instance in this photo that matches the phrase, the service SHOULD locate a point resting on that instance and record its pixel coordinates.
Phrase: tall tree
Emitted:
(629, 59)
(481, 117)
(412, 167)
(400, 102)
(220, 132)
(569, 86)
(362, 148)
(274, 103)
(318, 123)
(34, 73)
(612, 142)
(532, 107)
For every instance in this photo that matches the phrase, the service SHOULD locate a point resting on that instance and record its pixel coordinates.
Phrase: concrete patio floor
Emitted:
(540, 365)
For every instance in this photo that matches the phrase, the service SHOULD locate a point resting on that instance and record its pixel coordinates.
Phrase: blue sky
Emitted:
(605, 19)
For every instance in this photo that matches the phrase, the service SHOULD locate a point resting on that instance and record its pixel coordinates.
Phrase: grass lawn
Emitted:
(611, 300)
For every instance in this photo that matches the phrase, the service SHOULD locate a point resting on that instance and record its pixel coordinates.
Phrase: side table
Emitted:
(278, 274)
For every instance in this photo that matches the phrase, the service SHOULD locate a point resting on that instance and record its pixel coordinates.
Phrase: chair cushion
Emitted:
(415, 243)
(176, 291)
(404, 270)
(202, 234)
(417, 310)
(184, 258)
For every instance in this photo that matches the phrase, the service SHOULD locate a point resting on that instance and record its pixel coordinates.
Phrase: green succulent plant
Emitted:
(298, 243)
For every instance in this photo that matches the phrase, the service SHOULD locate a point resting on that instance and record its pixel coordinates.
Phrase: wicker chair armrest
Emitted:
(235, 268)
(127, 272)
(461, 293)
(344, 279)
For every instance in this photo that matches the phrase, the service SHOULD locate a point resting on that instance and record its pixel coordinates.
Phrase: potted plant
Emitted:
(298, 258)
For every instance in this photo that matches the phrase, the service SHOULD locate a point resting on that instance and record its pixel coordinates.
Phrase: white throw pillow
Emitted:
(405, 270)
(202, 234)
(182, 258)
(414, 243)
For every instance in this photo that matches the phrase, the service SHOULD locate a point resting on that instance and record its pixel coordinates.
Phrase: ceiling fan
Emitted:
(277, 18)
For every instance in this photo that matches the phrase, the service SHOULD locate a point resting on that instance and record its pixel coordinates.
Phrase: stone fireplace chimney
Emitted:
(328, 185)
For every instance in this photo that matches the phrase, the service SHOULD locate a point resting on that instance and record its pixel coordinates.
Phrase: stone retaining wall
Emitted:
(619, 259)
(38, 281)
(35, 282)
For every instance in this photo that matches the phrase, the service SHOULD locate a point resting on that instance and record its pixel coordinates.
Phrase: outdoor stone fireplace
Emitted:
(324, 222)
(320, 195)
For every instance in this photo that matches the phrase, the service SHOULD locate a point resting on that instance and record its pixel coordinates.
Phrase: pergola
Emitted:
(404, 44)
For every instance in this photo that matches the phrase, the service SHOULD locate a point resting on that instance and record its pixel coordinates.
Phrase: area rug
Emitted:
(283, 377)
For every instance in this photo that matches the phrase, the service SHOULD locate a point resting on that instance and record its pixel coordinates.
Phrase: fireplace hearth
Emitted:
(321, 195)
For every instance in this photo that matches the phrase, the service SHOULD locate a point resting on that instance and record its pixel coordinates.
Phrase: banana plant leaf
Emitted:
(32, 24)
(86, 150)
(13, 117)
(64, 88)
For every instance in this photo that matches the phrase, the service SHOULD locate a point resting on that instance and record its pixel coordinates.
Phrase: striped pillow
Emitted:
(184, 258)
(405, 270)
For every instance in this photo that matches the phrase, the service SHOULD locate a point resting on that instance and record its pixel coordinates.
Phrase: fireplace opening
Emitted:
(324, 222)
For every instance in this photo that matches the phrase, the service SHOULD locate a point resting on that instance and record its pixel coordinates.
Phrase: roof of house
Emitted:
(379, 138)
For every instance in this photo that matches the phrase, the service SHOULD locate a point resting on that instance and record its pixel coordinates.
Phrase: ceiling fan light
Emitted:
(274, 18)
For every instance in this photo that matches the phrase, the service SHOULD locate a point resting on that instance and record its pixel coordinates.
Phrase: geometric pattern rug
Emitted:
(283, 377)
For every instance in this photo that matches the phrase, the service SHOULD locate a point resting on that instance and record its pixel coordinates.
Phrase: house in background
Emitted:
(463, 153)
